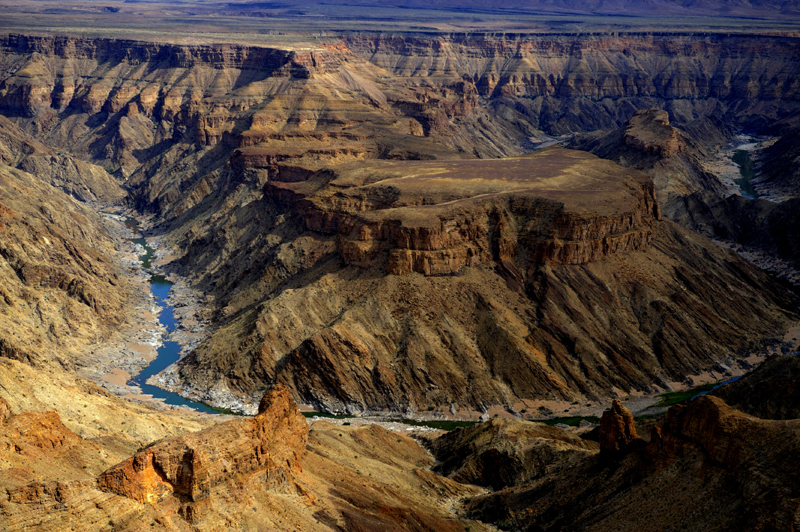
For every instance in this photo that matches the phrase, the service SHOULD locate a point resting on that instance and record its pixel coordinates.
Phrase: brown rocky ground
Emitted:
(675, 156)
(84, 181)
(61, 287)
(504, 452)
(267, 472)
(707, 467)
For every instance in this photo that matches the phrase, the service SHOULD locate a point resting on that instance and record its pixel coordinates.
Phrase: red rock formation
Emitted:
(189, 466)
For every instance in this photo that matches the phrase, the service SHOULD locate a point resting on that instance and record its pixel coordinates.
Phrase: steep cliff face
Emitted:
(81, 180)
(554, 207)
(167, 118)
(574, 83)
(710, 467)
(402, 286)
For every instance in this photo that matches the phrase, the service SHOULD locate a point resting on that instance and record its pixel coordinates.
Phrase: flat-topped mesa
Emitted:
(435, 217)
(649, 131)
(189, 467)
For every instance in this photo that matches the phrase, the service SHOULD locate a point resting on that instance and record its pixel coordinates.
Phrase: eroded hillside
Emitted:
(330, 200)
(467, 283)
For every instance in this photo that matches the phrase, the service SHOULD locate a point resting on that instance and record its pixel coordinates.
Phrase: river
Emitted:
(742, 158)
(169, 352)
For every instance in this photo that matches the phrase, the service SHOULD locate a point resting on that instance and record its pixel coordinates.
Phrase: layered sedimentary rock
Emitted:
(555, 207)
(244, 152)
(406, 285)
(82, 180)
(170, 117)
(564, 83)
(167, 118)
(709, 467)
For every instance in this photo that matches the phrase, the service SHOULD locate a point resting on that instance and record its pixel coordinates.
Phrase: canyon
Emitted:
(430, 223)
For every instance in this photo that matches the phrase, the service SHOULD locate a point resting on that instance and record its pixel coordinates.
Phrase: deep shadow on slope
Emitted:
(709, 467)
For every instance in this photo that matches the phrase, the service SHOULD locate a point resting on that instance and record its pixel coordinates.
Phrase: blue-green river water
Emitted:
(169, 352)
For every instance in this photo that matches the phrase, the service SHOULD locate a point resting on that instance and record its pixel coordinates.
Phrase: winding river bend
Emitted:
(169, 352)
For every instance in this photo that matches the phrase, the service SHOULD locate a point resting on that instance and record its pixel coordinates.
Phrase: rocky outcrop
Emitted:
(356, 477)
(190, 466)
(617, 431)
(254, 159)
(484, 95)
(649, 131)
(426, 228)
(711, 467)
(502, 452)
(692, 195)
